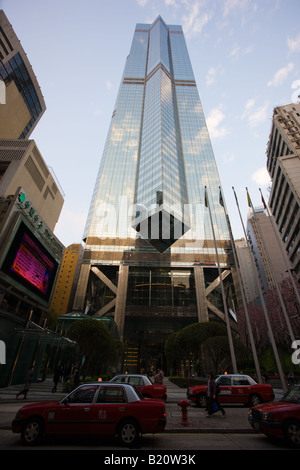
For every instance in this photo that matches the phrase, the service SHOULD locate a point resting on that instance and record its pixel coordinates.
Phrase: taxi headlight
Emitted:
(267, 417)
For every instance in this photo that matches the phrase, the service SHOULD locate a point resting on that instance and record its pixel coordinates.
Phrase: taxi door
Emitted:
(109, 408)
(73, 415)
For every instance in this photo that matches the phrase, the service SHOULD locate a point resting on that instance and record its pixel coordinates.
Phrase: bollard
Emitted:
(184, 405)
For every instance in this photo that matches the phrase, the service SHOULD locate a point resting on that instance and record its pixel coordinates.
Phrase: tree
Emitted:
(94, 341)
(172, 351)
(188, 342)
(218, 350)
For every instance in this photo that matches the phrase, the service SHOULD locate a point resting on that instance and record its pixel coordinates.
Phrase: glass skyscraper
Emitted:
(150, 262)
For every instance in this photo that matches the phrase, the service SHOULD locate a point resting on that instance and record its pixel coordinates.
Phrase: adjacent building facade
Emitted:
(30, 205)
(247, 272)
(24, 102)
(268, 254)
(22, 165)
(151, 250)
(283, 164)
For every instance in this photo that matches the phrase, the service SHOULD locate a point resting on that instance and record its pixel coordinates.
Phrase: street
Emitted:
(187, 442)
(201, 434)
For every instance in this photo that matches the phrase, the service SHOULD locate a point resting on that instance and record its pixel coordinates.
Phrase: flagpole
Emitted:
(292, 336)
(222, 289)
(236, 261)
(283, 252)
(269, 328)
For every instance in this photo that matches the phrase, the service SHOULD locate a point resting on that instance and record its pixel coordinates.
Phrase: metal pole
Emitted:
(222, 289)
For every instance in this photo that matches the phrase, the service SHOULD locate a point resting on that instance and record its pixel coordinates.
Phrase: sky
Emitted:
(245, 56)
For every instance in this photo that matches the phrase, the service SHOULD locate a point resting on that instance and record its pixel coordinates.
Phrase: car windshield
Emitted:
(292, 395)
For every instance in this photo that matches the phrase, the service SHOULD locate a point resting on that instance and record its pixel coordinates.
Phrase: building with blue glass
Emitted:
(152, 252)
(24, 102)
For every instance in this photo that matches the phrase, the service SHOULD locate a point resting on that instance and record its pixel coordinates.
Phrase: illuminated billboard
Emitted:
(29, 263)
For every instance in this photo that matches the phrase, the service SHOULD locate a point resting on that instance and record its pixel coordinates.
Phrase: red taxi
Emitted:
(101, 409)
(234, 388)
(280, 418)
(144, 384)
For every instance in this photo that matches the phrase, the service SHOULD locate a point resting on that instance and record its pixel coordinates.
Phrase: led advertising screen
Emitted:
(29, 263)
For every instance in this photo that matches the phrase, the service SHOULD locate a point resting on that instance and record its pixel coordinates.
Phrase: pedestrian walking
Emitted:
(28, 382)
(56, 379)
(159, 377)
(291, 379)
(213, 404)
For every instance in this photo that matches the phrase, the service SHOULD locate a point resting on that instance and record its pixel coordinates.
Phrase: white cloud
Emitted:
(250, 103)
(294, 44)
(255, 115)
(171, 2)
(238, 51)
(231, 5)
(108, 85)
(212, 75)
(261, 176)
(213, 121)
(142, 3)
(281, 75)
(195, 19)
(228, 157)
(258, 115)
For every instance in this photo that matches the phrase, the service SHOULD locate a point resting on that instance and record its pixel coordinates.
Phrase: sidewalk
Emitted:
(236, 420)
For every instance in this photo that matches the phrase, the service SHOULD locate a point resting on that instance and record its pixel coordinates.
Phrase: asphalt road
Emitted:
(176, 443)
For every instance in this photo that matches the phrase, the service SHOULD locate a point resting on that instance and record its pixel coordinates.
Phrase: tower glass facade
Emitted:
(150, 259)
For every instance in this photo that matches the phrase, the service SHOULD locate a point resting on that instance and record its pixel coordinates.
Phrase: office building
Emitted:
(270, 264)
(150, 262)
(283, 164)
(22, 103)
(22, 165)
(248, 274)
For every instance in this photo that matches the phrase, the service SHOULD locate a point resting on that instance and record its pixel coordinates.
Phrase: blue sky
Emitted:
(245, 56)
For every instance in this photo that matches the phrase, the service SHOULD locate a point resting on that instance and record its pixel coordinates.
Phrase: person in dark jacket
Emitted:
(28, 382)
(56, 379)
(212, 396)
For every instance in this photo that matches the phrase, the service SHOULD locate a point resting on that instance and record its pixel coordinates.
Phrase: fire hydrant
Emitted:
(184, 406)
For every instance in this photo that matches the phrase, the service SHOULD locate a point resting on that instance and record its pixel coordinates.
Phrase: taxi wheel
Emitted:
(129, 433)
(202, 400)
(32, 431)
(292, 432)
(254, 400)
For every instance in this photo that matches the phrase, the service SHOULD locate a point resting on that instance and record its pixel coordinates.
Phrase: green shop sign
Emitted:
(38, 223)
